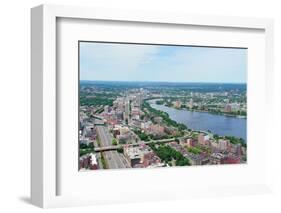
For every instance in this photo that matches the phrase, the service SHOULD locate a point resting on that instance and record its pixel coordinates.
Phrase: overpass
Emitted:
(97, 117)
(115, 147)
(98, 122)
(107, 148)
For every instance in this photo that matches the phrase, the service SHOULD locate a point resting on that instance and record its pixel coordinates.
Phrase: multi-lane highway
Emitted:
(114, 160)
(104, 136)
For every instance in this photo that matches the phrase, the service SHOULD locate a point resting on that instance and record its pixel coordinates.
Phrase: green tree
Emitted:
(114, 142)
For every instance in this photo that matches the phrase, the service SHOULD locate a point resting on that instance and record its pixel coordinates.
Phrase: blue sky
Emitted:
(131, 62)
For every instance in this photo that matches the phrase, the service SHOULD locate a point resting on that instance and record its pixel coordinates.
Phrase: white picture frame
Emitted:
(44, 84)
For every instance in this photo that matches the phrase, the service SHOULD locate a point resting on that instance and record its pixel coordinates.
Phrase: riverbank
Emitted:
(198, 110)
(204, 121)
(210, 112)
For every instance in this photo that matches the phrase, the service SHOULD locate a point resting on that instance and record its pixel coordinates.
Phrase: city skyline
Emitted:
(160, 63)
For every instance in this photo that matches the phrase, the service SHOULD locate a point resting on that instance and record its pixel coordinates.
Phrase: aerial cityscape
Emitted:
(150, 106)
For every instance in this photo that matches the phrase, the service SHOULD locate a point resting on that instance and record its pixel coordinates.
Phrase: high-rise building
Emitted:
(189, 142)
(223, 144)
(106, 109)
(203, 138)
(177, 104)
(191, 103)
(127, 110)
(227, 108)
(238, 149)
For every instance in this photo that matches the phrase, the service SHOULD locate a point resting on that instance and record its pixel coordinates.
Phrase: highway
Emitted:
(114, 160)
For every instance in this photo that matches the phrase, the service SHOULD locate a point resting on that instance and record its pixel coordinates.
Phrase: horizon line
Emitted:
(165, 81)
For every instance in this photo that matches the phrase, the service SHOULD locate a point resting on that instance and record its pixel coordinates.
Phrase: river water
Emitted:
(217, 124)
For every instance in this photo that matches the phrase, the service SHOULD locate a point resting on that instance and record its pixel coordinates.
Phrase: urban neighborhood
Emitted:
(127, 125)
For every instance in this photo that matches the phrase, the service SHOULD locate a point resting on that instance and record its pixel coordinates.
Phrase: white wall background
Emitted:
(15, 99)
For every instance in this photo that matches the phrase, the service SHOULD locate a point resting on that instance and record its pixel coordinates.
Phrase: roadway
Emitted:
(114, 160)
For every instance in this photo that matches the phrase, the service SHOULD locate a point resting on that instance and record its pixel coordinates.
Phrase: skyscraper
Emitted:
(127, 110)
(191, 103)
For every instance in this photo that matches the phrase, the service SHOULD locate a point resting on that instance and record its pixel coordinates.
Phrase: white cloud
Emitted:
(125, 59)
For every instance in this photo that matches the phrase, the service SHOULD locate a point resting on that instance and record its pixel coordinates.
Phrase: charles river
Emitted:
(217, 124)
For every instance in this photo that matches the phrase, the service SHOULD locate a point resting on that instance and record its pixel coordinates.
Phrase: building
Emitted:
(193, 159)
(231, 159)
(142, 157)
(145, 125)
(190, 103)
(93, 162)
(214, 144)
(149, 159)
(136, 123)
(106, 109)
(85, 141)
(127, 138)
(88, 161)
(156, 129)
(119, 115)
(127, 111)
(124, 130)
(216, 158)
(223, 144)
(135, 114)
(243, 150)
(203, 138)
(133, 155)
(177, 104)
(170, 130)
(116, 131)
(188, 142)
(236, 149)
(227, 108)
(89, 130)
(158, 120)
(235, 107)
